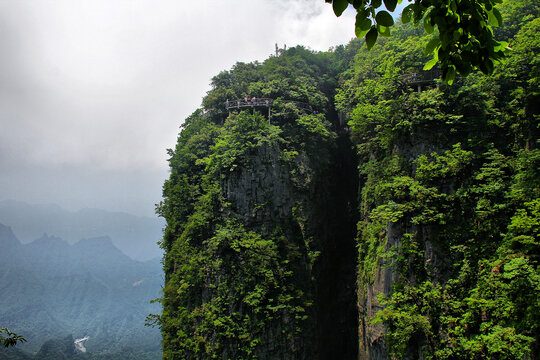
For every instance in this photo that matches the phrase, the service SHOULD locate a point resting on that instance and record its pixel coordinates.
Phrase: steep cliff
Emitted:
(350, 215)
(260, 240)
(445, 210)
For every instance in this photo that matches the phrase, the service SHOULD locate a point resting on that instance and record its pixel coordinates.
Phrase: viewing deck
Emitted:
(264, 102)
(247, 102)
(420, 79)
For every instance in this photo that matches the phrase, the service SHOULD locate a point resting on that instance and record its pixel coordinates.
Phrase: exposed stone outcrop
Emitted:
(261, 192)
(268, 190)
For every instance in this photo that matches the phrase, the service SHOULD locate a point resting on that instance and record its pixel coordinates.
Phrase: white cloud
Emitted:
(105, 84)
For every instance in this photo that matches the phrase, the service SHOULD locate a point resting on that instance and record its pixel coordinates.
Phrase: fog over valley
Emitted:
(52, 290)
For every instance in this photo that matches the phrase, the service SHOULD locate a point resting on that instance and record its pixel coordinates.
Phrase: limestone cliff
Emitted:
(351, 216)
(273, 235)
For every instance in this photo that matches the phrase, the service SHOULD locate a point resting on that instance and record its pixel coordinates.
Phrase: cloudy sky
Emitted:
(93, 92)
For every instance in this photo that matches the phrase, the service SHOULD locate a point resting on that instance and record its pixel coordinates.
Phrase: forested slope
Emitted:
(386, 222)
(50, 289)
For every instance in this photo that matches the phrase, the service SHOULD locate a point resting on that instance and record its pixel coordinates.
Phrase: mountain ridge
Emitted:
(51, 289)
(136, 236)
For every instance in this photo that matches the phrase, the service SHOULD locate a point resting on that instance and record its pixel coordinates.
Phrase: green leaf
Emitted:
(450, 75)
(406, 14)
(363, 24)
(463, 67)
(430, 64)
(427, 25)
(501, 46)
(498, 16)
(453, 6)
(357, 4)
(495, 17)
(489, 66)
(432, 45)
(482, 66)
(371, 37)
(376, 3)
(383, 30)
(360, 33)
(339, 6)
(390, 4)
(456, 34)
(384, 18)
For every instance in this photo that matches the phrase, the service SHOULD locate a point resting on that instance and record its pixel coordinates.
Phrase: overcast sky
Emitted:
(92, 93)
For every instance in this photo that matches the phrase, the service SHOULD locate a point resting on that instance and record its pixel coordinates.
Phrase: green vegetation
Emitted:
(445, 204)
(50, 289)
(8, 338)
(239, 252)
(462, 31)
(447, 219)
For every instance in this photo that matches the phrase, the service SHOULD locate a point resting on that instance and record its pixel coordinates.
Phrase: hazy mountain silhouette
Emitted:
(136, 236)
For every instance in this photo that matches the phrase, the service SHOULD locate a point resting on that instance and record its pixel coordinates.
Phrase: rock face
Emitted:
(265, 182)
(271, 220)
(268, 192)
(263, 196)
(372, 335)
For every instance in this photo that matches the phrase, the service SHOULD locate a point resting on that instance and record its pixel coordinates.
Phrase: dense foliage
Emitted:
(239, 246)
(462, 40)
(450, 199)
(448, 206)
(9, 338)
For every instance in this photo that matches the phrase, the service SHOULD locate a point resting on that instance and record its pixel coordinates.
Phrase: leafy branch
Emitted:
(463, 34)
(8, 338)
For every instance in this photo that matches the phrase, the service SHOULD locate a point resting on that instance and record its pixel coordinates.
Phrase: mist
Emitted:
(92, 93)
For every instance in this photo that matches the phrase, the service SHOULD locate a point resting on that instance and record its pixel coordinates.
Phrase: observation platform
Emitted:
(264, 102)
(421, 79)
(248, 102)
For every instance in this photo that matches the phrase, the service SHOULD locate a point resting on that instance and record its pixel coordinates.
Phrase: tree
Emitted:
(463, 36)
(8, 338)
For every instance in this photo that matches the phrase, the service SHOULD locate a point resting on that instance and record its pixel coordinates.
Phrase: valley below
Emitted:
(55, 294)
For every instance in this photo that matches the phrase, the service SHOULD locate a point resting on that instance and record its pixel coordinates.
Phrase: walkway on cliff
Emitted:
(421, 79)
(264, 102)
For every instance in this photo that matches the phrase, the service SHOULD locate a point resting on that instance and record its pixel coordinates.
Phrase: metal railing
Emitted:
(266, 102)
(420, 77)
(248, 102)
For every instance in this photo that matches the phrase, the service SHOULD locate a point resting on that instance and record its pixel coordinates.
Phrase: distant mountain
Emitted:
(136, 236)
(7, 239)
(50, 289)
